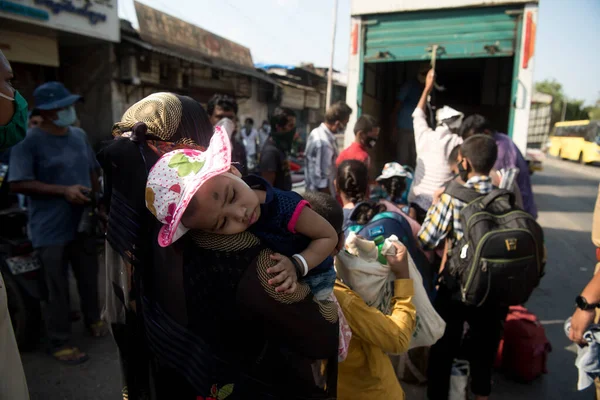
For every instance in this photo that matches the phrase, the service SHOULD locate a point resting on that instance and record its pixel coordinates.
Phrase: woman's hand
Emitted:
(399, 262)
(286, 278)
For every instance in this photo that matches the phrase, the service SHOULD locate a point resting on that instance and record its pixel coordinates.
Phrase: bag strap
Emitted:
(461, 192)
(495, 194)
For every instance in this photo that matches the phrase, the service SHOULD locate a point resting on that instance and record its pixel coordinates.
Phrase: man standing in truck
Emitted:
(433, 149)
(406, 102)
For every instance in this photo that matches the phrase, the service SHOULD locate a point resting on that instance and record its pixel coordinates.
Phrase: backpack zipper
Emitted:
(478, 252)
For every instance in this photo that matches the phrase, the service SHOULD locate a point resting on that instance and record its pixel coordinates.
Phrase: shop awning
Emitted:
(201, 61)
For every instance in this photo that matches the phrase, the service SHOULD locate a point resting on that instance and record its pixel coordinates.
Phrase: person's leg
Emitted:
(485, 331)
(442, 354)
(84, 262)
(56, 301)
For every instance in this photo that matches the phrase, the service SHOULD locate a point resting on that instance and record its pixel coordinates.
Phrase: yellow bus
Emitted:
(577, 141)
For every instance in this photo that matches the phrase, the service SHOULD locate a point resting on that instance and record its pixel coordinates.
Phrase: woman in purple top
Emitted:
(509, 156)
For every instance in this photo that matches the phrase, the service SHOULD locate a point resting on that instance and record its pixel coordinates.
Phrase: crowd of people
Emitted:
(220, 280)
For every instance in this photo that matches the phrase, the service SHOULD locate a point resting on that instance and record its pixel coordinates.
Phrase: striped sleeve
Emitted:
(437, 224)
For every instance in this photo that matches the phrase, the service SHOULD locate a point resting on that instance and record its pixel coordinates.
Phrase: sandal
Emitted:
(69, 355)
(98, 329)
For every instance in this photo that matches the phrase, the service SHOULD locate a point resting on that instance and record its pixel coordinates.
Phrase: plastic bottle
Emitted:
(379, 240)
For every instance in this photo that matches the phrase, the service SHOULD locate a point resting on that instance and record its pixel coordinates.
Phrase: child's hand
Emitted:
(437, 195)
(286, 274)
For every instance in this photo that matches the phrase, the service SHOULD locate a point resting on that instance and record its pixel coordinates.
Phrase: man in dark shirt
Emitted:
(274, 164)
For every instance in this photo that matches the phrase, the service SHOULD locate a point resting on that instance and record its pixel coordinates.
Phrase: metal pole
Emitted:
(330, 74)
(564, 109)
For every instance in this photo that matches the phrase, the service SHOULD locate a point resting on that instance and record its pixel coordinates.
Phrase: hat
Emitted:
(446, 113)
(392, 169)
(53, 96)
(177, 176)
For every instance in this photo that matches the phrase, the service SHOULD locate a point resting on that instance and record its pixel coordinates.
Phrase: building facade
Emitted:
(68, 41)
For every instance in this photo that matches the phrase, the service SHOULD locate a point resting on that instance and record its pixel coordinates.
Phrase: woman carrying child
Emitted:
(201, 311)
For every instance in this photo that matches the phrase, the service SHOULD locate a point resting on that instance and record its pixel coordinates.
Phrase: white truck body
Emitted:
(493, 38)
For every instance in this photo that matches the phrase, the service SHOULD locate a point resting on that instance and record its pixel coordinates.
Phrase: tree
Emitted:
(575, 110)
(594, 111)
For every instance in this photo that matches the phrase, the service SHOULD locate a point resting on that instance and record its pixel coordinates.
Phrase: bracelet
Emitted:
(297, 267)
(303, 261)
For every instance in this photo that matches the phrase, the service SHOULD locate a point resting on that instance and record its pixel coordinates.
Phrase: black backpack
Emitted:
(500, 259)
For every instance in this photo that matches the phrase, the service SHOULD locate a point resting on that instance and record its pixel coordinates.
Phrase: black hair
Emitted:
(481, 151)
(473, 125)
(364, 212)
(453, 157)
(265, 122)
(227, 103)
(280, 117)
(394, 186)
(327, 207)
(366, 124)
(352, 180)
(339, 111)
(249, 121)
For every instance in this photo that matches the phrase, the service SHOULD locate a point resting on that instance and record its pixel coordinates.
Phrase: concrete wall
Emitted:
(252, 107)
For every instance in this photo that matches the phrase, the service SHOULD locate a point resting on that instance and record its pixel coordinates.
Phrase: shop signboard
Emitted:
(313, 100)
(165, 30)
(292, 98)
(94, 18)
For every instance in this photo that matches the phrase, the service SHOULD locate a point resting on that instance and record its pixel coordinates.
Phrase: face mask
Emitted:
(342, 128)
(284, 140)
(369, 142)
(66, 117)
(13, 132)
(462, 171)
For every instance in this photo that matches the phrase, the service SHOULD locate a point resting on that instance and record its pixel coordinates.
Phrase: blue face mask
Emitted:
(66, 117)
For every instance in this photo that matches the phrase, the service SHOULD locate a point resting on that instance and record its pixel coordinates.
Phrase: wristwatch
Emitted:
(584, 305)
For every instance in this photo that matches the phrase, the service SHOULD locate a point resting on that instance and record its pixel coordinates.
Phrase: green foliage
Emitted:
(575, 110)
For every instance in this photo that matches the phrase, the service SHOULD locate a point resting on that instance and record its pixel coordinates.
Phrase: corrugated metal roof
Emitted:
(204, 61)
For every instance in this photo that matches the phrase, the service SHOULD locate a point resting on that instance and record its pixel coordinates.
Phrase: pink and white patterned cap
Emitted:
(177, 176)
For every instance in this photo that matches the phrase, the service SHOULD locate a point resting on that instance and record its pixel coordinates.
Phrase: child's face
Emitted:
(223, 205)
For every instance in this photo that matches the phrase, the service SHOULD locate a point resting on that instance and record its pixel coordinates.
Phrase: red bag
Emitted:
(524, 349)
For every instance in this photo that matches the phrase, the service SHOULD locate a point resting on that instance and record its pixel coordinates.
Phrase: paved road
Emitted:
(565, 194)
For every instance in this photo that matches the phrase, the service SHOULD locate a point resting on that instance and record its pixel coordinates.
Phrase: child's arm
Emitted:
(437, 224)
(323, 237)
(323, 243)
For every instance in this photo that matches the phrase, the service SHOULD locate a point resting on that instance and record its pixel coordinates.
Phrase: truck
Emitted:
(483, 52)
(540, 117)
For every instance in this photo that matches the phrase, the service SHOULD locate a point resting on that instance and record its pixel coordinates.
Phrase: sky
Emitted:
(295, 31)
